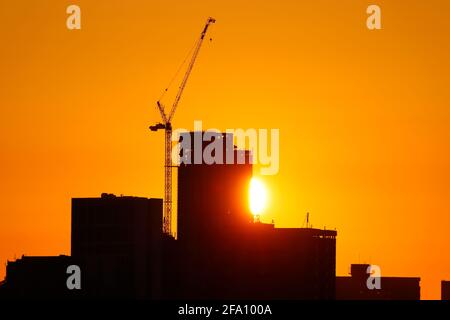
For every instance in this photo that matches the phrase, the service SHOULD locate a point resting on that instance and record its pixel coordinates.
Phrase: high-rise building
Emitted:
(212, 197)
(223, 253)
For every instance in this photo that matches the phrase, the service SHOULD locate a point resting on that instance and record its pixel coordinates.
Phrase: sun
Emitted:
(257, 196)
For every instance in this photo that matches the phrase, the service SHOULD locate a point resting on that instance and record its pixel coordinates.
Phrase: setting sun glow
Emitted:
(258, 196)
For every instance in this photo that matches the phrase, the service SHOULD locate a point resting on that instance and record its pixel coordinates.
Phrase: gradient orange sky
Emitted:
(364, 116)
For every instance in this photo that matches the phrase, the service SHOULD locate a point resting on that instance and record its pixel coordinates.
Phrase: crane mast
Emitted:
(167, 126)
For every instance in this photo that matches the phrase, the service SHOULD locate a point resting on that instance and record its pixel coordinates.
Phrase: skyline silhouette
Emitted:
(220, 250)
(362, 115)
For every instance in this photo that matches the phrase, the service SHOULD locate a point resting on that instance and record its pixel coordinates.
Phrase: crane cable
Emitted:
(188, 55)
(178, 71)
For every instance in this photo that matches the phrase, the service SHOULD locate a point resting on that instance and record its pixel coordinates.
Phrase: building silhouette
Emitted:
(118, 243)
(392, 288)
(223, 253)
(212, 198)
(445, 290)
(37, 277)
(219, 251)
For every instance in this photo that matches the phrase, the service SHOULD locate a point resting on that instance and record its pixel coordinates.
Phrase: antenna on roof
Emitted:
(306, 221)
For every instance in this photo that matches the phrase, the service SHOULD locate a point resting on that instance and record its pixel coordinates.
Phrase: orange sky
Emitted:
(364, 116)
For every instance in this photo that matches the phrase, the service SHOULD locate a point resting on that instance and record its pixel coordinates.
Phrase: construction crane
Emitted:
(166, 125)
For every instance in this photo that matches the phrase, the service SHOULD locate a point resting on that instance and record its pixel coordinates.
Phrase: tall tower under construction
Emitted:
(212, 198)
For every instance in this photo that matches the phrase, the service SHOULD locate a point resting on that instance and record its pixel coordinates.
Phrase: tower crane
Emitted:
(166, 125)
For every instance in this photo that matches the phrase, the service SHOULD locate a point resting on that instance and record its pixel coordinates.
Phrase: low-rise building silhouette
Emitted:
(392, 288)
(445, 290)
(38, 278)
(118, 242)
